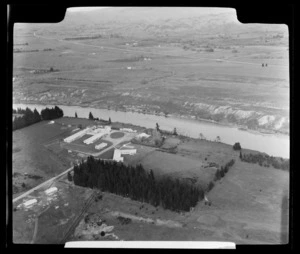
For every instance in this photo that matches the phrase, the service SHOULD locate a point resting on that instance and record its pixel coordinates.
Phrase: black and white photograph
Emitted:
(151, 124)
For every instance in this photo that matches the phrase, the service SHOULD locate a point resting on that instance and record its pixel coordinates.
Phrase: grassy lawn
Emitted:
(116, 135)
(108, 154)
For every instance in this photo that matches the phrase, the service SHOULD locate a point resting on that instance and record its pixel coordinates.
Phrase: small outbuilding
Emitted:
(142, 135)
(30, 203)
(51, 190)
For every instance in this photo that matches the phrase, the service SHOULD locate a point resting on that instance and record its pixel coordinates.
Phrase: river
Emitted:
(272, 144)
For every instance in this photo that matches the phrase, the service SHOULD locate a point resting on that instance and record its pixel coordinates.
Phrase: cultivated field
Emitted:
(195, 69)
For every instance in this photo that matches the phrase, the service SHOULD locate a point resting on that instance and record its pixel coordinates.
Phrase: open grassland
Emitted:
(249, 206)
(31, 155)
(253, 203)
(190, 159)
(172, 76)
(38, 152)
(108, 155)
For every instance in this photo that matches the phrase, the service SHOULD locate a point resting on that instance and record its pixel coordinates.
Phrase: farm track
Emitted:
(36, 225)
(88, 203)
(63, 173)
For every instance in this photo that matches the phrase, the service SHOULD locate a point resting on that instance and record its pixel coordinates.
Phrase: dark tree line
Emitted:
(266, 160)
(223, 170)
(51, 113)
(137, 184)
(30, 117)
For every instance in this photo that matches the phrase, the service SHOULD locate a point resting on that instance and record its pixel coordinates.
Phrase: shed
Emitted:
(100, 146)
(51, 190)
(142, 135)
(30, 202)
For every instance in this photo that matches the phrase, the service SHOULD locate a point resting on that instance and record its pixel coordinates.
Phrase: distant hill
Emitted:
(153, 22)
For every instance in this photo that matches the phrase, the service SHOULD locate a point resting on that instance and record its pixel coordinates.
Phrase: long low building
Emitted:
(129, 151)
(76, 135)
(118, 154)
(100, 146)
(94, 138)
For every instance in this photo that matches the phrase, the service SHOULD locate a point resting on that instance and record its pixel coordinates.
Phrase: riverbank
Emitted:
(179, 116)
(272, 144)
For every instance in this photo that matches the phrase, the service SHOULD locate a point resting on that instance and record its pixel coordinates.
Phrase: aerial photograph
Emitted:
(150, 124)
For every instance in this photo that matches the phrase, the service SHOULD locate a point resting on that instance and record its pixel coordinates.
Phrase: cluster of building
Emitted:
(96, 132)
(31, 202)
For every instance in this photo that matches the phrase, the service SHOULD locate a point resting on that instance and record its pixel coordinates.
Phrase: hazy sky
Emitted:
(74, 9)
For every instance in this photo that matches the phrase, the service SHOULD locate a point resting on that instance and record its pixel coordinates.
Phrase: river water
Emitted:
(272, 144)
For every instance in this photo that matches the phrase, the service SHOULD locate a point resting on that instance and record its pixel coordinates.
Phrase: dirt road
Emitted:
(115, 143)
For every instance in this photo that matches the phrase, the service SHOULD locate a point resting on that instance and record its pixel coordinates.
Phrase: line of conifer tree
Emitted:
(219, 174)
(223, 170)
(51, 113)
(137, 184)
(30, 117)
(265, 160)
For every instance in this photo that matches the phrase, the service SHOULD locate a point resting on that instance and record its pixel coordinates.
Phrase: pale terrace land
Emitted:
(249, 205)
(200, 65)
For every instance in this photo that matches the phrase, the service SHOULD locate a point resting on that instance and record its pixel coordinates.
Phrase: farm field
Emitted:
(193, 160)
(33, 162)
(242, 211)
(194, 71)
(47, 221)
